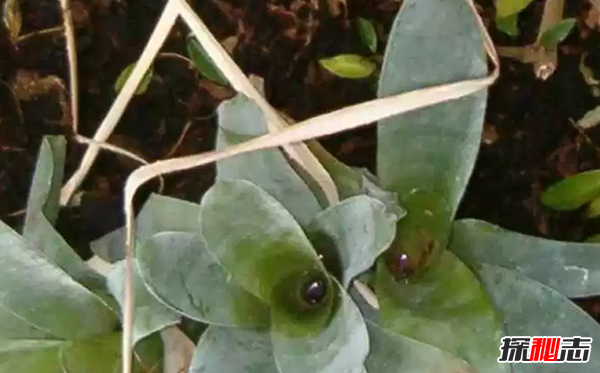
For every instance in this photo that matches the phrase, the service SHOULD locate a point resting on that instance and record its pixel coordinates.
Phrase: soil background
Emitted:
(529, 142)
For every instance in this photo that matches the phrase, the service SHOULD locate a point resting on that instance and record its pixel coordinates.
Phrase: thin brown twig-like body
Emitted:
(48, 31)
(69, 29)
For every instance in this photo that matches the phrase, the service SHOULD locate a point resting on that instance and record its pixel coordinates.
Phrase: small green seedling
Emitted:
(354, 66)
(142, 88)
(575, 191)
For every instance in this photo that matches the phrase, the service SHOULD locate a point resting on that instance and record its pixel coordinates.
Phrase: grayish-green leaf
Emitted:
(44, 192)
(367, 33)
(353, 181)
(253, 236)
(341, 347)
(177, 268)
(42, 211)
(40, 301)
(573, 192)
(122, 79)
(532, 309)
(159, 214)
(149, 315)
(358, 230)
(445, 307)
(570, 268)
(508, 25)
(427, 156)
(350, 66)
(394, 353)
(240, 120)
(233, 350)
(557, 33)
(203, 62)
(506, 8)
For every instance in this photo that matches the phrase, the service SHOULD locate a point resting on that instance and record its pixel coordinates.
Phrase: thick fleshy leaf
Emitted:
(532, 309)
(506, 8)
(45, 187)
(40, 301)
(103, 355)
(393, 353)
(341, 347)
(353, 181)
(149, 315)
(159, 214)
(177, 268)
(240, 120)
(349, 66)
(254, 237)
(42, 212)
(573, 192)
(570, 268)
(29, 356)
(352, 234)
(265, 251)
(233, 350)
(445, 307)
(427, 156)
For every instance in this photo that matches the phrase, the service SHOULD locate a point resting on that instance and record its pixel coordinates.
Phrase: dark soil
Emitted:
(530, 137)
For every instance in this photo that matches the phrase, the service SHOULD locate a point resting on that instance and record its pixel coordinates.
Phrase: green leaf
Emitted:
(159, 214)
(445, 307)
(427, 156)
(532, 309)
(367, 33)
(573, 192)
(351, 66)
(142, 88)
(341, 347)
(351, 182)
(505, 8)
(42, 211)
(203, 62)
(570, 268)
(557, 33)
(232, 350)
(393, 353)
(240, 120)
(181, 273)
(352, 234)
(44, 192)
(509, 24)
(594, 208)
(103, 354)
(265, 251)
(348, 181)
(40, 301)
(29, 356)
(150, 316)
